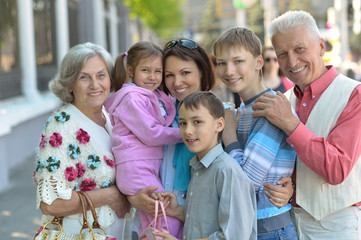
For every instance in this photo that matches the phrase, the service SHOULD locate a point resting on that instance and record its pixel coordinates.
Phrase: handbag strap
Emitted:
(164, 215)
(84, 210)
(92, 209)
(154, 222)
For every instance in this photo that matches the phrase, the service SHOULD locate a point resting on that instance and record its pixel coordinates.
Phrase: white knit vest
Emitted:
(314, 194)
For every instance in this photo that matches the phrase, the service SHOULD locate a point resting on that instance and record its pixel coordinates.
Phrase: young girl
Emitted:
(141, 114)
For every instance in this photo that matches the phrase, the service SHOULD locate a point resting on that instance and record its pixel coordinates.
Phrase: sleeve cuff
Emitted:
(300, 137)
(232, 146)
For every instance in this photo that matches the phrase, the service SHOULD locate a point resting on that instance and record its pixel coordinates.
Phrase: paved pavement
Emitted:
(19, 218)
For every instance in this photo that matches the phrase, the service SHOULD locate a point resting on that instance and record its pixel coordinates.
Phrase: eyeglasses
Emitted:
(268, 59)
(187, 43)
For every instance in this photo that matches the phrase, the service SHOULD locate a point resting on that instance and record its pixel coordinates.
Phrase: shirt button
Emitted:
(184, 237)
(313, 96)
(292, 145)
(304, 104)
(187, 215)
(191, 193)
(197, 174)
(184, 196)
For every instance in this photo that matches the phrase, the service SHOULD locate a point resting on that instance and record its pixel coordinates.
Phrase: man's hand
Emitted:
(277, 109)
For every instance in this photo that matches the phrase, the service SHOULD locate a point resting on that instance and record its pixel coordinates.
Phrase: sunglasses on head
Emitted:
(187, 43)
(269, 59)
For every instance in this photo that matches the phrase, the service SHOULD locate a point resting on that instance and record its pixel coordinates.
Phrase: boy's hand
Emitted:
(230, 126)
(280, 195)
(173, 208)
(165, 236)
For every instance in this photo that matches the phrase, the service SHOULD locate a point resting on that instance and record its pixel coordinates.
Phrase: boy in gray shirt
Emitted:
(221, 202)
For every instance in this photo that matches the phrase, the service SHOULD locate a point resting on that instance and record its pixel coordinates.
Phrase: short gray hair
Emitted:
(71, 65)
(292, 19)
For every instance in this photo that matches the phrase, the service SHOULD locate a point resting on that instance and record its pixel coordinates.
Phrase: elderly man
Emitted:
(327, 135)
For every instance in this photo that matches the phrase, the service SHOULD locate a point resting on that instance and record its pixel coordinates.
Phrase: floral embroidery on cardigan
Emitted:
(80, 169)
(40, 165)
(93, 161)
(88, 184)
(73, 151)
(43, 141)
(62, 117)
(56, 140)
(52, 164)
(70, 173)
(111, 163)
(82, 136)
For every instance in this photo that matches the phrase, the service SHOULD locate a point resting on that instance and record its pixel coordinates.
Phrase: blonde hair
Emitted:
(238, 37)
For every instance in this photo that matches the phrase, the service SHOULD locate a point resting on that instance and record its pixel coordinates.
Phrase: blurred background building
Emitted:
(35, 35)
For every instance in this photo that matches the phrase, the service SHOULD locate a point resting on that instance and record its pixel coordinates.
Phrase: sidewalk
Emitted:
(18, 217)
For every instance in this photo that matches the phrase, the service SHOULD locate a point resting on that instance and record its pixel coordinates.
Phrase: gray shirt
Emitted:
(221, 202)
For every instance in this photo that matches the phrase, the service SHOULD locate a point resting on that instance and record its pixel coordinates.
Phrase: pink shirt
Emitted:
(337, 155)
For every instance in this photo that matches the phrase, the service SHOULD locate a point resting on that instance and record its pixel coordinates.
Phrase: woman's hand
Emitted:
(279, 196)
(142, 200)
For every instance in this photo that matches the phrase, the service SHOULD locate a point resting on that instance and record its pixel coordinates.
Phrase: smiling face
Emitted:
(92, 86)
(148, 73)
(300, 55)
(181, 77)
(239, 70)
(199, 129)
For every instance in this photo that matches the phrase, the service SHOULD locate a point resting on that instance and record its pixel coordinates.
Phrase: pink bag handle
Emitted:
(154, 222)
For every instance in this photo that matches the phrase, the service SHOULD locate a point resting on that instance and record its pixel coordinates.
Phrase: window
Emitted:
(10, 74)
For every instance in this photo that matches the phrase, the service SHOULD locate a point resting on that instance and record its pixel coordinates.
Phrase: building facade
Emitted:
(34, 37)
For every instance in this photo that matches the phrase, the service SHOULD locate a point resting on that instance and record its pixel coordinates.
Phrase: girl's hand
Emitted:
(165, 236)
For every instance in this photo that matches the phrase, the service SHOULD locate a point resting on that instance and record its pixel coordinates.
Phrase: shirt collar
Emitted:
(208, 158)
(320, 84)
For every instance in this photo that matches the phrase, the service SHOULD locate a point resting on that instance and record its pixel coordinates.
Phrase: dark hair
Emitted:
(200, 57)
(264, 50)
(140, 50)
(206, 99)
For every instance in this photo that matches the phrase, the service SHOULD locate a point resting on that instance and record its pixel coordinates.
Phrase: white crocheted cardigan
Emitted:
(68, 159)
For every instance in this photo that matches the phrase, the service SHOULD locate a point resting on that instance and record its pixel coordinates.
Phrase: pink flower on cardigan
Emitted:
(56, 140)
(82, 136)
(110, 162)
(43, 141)
(80, 169)
(70, 174)
(88, 184)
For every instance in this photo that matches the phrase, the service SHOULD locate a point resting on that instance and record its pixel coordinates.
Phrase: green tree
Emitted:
(209, 26)
(164, 17)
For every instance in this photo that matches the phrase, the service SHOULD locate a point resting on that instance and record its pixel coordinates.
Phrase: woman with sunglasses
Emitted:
(187, 69)
(272, 75)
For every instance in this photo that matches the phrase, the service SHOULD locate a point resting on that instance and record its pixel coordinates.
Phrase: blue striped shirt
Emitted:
(264, 154)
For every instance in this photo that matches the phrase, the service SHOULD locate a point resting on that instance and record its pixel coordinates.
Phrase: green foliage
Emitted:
(163, 16)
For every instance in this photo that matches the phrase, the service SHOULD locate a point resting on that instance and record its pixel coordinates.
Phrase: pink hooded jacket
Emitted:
(139, 130)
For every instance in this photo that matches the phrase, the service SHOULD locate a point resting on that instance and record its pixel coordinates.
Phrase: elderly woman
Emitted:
(75, 149)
